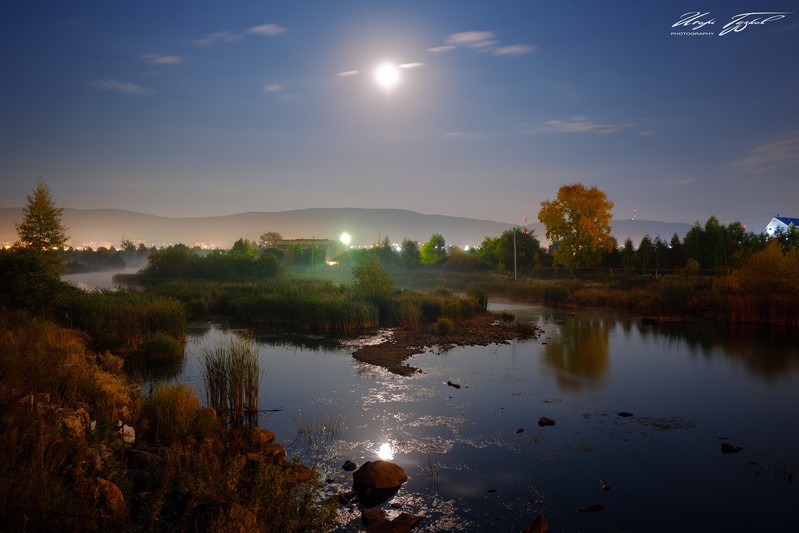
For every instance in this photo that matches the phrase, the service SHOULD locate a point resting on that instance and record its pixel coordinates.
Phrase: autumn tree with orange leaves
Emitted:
(578, 225)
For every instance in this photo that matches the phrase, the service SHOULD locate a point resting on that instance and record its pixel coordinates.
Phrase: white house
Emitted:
(779, 224)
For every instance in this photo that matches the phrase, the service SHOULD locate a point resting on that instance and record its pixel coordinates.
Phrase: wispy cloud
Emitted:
(579, 125)
(475, 39)
(410, 65)
(442, 48)
(216, 37)
(120, 86)
(482, 40)
(766, 157)
(272, 87)
(515, 50)
(348, 73)
(158, 59)
(267, 29)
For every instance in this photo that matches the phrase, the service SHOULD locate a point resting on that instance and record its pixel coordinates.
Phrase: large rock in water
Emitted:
(377, 481)
(379, 475)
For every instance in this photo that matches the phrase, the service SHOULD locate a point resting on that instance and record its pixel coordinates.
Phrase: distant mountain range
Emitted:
(106, 227)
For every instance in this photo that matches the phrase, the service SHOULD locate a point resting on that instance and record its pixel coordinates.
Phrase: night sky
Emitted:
(200, 107)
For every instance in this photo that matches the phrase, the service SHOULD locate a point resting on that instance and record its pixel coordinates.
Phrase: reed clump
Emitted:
(232, 378)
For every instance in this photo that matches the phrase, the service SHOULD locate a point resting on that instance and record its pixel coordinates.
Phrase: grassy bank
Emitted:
(65, 467)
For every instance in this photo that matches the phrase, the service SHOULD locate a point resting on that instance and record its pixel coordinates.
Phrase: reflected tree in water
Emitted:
(580, 357)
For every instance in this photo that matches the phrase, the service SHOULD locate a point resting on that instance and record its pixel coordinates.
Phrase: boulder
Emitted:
(726, 447)
(379, 475)
(377, 481)
(349, 466)
(110, 514)
(545, 421)
(252, 435)
(376, 522)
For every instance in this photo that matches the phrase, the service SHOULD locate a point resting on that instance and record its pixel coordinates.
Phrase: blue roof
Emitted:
(788, 221)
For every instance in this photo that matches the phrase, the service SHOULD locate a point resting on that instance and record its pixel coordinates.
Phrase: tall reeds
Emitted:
(232, 376)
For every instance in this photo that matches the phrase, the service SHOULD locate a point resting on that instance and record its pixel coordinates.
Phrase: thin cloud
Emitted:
(442, 48)
(348, 73)
(272, 88)
(470, 38)
(158, 59)
(267, 29)
(410, 65)
(770, 156)
(482, 40)
(579, 125)
(120, 86)
(216, 37)
(515, 50)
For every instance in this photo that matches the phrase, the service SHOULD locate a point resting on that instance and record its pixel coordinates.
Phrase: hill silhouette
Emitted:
(107, 227)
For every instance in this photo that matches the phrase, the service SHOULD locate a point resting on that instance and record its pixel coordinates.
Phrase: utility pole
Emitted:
(514, 254)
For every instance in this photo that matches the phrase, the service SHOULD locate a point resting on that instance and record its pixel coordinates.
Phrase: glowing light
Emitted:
(387, 76)
(385, 452)
(345, 239)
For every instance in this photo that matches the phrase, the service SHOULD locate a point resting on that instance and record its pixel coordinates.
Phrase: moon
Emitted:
(387, 75)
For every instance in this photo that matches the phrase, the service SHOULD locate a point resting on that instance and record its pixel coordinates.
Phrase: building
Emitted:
(780, 224)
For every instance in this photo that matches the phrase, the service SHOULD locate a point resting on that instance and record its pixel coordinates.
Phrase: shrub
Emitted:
(160, 345)
(444, 326)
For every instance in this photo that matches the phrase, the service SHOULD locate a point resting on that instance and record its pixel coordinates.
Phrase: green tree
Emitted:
(500, 251)
(269, 239)
(410, 253)
(41, 227)
(433, 250)
(578, 223)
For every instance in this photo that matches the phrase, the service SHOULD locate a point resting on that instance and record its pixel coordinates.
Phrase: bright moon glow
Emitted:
(385, 452)
(345, 239)
(387, 76)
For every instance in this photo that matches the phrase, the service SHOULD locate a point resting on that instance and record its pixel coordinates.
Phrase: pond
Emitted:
(644, 408)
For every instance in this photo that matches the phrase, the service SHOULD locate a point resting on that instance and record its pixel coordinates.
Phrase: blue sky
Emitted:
(195, 108)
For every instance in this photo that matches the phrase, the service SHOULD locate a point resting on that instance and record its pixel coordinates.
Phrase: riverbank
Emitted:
(401, 344)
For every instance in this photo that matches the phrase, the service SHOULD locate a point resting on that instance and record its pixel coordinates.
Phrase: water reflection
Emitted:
(579, 357)
(477, 460)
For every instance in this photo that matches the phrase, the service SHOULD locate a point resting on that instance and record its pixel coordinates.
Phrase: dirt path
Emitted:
(481, 330)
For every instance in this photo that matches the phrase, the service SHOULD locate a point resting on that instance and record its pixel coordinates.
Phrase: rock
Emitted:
(604, 484)
(624, 414)
(223, 517)
(538, 525)
(726, 447)
(592, 508)
(110, 514)
(252, 435)
(454, 385)
(519, 430)
(377, 481)
(349, 466)
(379, 475)
(273, 450)
(127, 433)
(376, 522)
(545, 421)
(74, 422)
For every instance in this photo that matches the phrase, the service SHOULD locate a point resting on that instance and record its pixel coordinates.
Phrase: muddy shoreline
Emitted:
(400, 344)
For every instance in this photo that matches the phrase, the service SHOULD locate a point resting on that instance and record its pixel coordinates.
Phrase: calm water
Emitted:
(477, 459)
